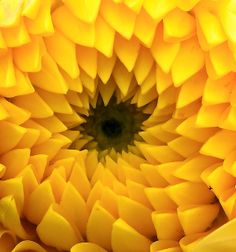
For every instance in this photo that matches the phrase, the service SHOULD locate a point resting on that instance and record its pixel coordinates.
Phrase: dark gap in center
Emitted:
(111, 128)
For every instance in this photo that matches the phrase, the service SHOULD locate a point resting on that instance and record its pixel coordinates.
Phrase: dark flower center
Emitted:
(111, 128)
(113, 125)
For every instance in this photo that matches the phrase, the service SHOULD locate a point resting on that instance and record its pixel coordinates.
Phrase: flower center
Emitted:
(111, 128)
(113, 125)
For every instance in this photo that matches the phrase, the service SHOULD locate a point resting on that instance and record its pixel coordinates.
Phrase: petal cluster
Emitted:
(174, 189)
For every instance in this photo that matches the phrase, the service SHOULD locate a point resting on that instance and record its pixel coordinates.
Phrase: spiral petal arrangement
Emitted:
(172, 188)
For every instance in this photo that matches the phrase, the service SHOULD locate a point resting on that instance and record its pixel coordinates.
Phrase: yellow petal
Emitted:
(131, 173)
(34, 127)
(22, 86)
(227, 120)
(143, 64)
(28, 57)
(188, 242)
(167, 171)
(10, 218)
(58, 184)
(184, 97)
(196, 219)
(229, 163)
(54, 230)
(218, 179)
(184, 146)
(16, 36)
(42, 24)
(7, 73)
(210, 27)
(15, 160)
(71, 120)
(75, 207)
(53, 124)
(28, 179)
(80, 181)
(2, 43)
(10, 136)
(221, 239)
(172, 23)
(105, 67)
(190, 193)
(57, 102)
(7, 240)
(10, 12)
(109, 201)
(163, 80)
(104, 38)
(189, 61)
(165, 246)
(168, 97)
(89, 84)
(39, 163)
(136, 192)
(222, 60)
(87, 59)
(87, 247)
(145, 28)
(35, 212)
(73, 84)
(228, 19)
(164, 53)
(100, 217)
(63, 168)
(158, 9)
(14, 187)
(85, 10)
(160, 199)
(29, 139)
(2, 170)
(227, 201)
(192, 168)
(125, 238)
(16, 114)
(167, 225)
(152, 176)
(80, 32)
(186, 5)
(31, 8)
(95, 194)
(65, 58)
(3, 113)
(158, 154)
(130, 211)
(127, 51)
(124, 24)
(209, 116)
(50, 147)
(134, 5)
(28, 245)
(34, 104)
(107, 91)
(49, 74)
(220, 144)
(122, 77)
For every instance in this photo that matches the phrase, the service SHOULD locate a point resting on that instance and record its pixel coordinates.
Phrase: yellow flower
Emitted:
(117, 125)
